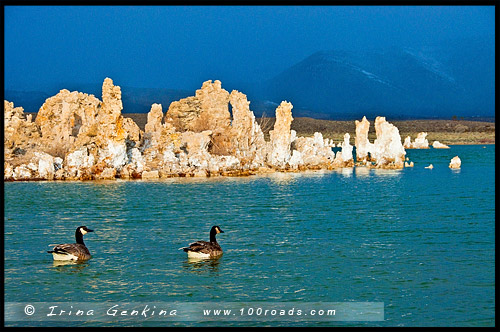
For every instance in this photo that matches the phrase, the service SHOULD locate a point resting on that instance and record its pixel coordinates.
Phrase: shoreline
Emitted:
(449, 132)
(230, 175)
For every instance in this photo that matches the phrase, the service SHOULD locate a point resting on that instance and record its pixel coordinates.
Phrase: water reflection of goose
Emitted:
(204, 249)
(197, 265)
(75, 265)
(73, 251)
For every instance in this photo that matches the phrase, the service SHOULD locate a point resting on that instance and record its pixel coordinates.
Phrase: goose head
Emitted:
(214, 231)
(217, 229)
(83, 230)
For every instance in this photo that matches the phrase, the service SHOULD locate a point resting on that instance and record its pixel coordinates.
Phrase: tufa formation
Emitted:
(76, 136)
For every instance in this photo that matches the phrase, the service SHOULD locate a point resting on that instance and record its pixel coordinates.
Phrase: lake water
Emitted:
(421, 241)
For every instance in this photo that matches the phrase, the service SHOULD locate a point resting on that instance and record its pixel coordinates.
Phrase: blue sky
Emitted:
(180, 47)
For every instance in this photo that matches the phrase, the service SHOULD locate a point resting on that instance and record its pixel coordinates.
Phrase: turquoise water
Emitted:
(421, 241)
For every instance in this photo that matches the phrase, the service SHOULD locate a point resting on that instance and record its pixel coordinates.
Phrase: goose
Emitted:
(73, 251)
(204, 249)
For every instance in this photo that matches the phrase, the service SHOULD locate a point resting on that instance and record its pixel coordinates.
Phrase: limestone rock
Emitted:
(214, 113)
(108, 173)
(183, 114)
(281, 136)
(296, 160)
(8, 171)
(113, 154)
(420, 142)
(20, 133)
(78, 163)
(64, 117)
(46, 165)
(76, 125)
(160, 143)
(363, 145)
(136, 160)
(109, 118)
(133, 131)
(455, 162)
(439, 145)
(150, 174)
(247, 138)
(346, 149)
(207, 110)
(111, 100)
(407, 143)
(78, 137)
(155, 115)
(196, 146)
(111, 136)
(311, 152)
(344, 157)
(388, 151)
(329, 142)
(224, 165)
(22, 172)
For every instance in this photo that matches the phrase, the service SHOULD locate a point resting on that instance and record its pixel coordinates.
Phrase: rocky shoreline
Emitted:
(76, 136)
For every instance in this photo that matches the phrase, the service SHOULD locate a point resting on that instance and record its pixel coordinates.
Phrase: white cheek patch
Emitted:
(83, 231)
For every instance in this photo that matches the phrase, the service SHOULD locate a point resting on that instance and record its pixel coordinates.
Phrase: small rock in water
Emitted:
(455, 162)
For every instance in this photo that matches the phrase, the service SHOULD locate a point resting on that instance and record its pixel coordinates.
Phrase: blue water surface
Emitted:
(419, 240)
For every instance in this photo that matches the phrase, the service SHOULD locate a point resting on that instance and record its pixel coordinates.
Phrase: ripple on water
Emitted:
(421, 242)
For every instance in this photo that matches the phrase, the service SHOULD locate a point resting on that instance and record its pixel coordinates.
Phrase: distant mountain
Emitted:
(453, 78)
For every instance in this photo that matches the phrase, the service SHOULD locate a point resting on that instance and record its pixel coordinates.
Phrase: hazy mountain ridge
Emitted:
(432, 81)
(453, 78)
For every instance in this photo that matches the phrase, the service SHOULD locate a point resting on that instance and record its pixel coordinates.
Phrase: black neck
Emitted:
(79, 237)
(212, 235)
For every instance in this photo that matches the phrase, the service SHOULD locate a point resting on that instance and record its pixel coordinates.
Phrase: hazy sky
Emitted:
(180, 47)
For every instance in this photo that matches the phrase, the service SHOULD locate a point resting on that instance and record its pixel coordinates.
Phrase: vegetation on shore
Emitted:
(445, 131)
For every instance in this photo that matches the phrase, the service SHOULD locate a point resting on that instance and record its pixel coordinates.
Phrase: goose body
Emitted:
(205, 249)
(73, 251)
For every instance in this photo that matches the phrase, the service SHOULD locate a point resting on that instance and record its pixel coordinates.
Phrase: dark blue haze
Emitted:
(48, 48)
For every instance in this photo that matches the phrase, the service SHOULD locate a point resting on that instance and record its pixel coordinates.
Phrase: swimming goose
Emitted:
(204, 249)
(73, 251)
